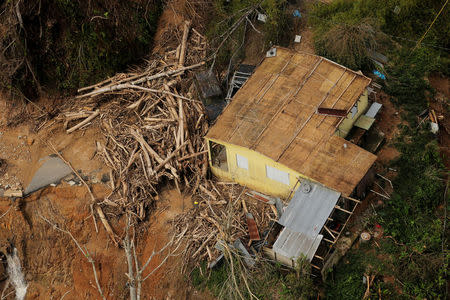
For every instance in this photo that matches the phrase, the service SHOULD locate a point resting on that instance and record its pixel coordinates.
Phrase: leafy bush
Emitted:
(226, 14)
(68, 44)
(349, 43)
(392, 23)
(406, 78)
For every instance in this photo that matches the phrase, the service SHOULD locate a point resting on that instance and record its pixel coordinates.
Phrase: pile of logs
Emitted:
(153, 125)
(219, 216)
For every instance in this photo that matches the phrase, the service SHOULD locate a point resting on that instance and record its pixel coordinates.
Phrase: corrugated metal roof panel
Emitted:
(303, 219)
(292, 244)
(307, 212)
(373, 109)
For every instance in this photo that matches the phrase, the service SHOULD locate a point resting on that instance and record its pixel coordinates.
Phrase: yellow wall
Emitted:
(255, 177)
(347, 124)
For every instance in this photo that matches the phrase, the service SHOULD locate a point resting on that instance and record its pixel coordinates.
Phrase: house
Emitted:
(288, 124)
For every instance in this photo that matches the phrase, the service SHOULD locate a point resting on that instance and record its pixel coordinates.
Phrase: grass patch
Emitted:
(345, 30)
(266, 281)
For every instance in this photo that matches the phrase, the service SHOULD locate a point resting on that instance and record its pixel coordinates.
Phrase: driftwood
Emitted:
(153, 125)
(117, 87)
(220, 217)
(187, 25)
(84, 122)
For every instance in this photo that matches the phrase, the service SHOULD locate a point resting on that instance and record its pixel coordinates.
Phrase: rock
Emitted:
(30, 141)
(71, 182)
(13, 193)
(105, 178)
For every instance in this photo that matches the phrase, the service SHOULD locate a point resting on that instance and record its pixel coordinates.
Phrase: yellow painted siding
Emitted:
(255, 177)
(347, 124)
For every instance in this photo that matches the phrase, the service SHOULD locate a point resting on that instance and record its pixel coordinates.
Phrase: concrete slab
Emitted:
(52, 170)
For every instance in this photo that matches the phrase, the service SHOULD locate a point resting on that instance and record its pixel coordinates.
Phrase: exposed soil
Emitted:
(53, 266)
(388, 120)
(52, 263)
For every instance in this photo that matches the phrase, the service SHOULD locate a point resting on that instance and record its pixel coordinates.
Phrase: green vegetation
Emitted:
(347, 280)
(415, 254)
(231, 15)
(412, 216)
(405, 79)
(346, 29)
(411, 261)
(69, 44)
(266, 281)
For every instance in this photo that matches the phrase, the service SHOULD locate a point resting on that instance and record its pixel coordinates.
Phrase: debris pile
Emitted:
(153, 124)
(220, 217)
(154, 128)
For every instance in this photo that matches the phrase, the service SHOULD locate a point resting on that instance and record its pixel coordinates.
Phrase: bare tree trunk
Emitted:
(127, 246)
(135, 278)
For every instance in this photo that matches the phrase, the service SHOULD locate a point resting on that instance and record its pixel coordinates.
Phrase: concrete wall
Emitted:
(255, 177)
(347, 124)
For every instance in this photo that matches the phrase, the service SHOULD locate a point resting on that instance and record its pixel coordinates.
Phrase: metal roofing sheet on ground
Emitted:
(373, 109)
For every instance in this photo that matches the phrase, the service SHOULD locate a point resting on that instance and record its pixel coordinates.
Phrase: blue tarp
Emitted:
(379, 74)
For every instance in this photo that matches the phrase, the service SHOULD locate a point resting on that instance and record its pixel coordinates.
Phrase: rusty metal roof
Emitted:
(275, 114)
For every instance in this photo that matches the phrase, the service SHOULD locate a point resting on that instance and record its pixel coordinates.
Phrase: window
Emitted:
(277, 175)
(242, 162)
(218, 155)
(354, 110)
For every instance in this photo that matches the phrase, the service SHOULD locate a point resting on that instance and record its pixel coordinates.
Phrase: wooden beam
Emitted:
(352, 199)
(381, 195)
(329, 241)
(319, 257)
(341, 209)
(316, 267)
(335, 232)
(329, 231)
